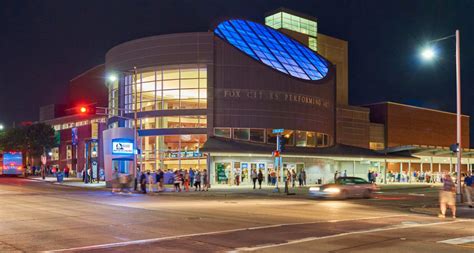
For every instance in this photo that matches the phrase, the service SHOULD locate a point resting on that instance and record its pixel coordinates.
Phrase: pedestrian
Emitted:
(468, 189)
(66, 171)
(336, 175)
(205, 180)
(186, 181)
(177, 181)
(137, 178)
(269, 178)
(150, 181)
(191, 177)
(344, 174)
(293, 178)
(447, 197)
(115, 180)
(300, 179)
(260, 179)
(143, 182)
(197, 180)
(253, 175)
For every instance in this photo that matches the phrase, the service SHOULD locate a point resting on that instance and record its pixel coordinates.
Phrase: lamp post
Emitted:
(428, 54)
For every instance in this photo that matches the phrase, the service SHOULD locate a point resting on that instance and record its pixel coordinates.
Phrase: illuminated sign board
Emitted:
(122, 147)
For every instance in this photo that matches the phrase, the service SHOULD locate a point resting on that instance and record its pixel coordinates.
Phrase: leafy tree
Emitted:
(32, 140)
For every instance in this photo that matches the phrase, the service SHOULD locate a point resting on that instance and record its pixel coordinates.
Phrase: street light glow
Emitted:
(428, 53)
(112, 78)
(1, 127)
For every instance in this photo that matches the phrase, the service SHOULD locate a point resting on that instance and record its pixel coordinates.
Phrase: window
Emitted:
(257, 135)
(310, 139)
(300, 138)
(165, 88)
(222, 132)
(241, 134)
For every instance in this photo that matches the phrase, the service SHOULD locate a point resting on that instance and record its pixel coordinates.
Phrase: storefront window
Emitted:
(310, 139)
(300, 138)
(257, 135)
(242, 134)
(198, 121)
(222, 132)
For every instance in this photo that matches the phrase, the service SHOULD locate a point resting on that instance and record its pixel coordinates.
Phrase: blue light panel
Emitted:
(273, 49)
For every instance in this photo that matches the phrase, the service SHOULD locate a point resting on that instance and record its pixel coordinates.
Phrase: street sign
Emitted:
(278, 131)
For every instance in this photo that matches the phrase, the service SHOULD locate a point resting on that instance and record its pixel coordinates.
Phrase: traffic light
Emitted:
(85, 110)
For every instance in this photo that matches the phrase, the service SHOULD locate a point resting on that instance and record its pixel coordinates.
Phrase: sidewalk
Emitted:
(69, 181)
(462, 211)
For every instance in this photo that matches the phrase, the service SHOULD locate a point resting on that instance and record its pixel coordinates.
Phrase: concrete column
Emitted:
(353, 168)
(409, 171)
(421, 167)
(378, 168)
(401, 169)
(431, 168)
(385, 172)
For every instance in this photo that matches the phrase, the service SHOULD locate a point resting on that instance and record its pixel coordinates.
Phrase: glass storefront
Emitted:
(173, 152)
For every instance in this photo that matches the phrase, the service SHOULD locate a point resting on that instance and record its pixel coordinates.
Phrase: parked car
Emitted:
(343, 188)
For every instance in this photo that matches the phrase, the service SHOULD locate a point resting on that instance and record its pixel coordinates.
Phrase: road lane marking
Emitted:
(308, 239)
(460, 240)
(166, 238)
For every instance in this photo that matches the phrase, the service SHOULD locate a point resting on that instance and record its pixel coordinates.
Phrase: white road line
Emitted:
(308, 239)
(460, 240)
(121, 244)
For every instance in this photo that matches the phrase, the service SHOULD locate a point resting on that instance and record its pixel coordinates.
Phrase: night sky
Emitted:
(44, 44)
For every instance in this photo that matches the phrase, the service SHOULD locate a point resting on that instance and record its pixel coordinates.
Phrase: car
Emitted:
(343, 188)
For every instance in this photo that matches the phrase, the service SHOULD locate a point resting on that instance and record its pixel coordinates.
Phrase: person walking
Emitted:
(468, 189)
(260, 179)
(115, 180)
(293, 178)
(205, 180)
(336, 175)
(197, 180)
(447, 197)
(254, 176)
(186, 181)
(300, 179)
(150, 181)
(143, 182)
(191, 177)
(177, 181)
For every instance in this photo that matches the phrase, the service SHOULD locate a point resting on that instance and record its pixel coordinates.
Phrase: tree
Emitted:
(32, 140)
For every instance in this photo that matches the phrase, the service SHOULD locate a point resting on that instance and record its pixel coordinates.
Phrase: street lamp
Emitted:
(1, 127)
(112, 78)
(429, 54)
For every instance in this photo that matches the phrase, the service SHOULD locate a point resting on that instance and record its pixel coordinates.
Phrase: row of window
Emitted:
(293, 137)
(173, 122)
(68, 125)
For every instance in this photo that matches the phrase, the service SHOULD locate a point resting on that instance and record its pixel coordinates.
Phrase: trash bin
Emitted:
(59, 177)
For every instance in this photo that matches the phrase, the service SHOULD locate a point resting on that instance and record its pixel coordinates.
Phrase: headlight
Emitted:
(332, 190)
(314, 189)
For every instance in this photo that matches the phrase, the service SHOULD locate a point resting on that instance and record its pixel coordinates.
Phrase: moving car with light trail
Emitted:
(343, 188)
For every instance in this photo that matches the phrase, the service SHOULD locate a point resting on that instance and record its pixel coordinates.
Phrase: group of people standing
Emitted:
(182, 180)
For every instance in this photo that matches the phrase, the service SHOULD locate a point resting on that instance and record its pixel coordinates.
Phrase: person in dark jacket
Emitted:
(143, 182)
(260, 178)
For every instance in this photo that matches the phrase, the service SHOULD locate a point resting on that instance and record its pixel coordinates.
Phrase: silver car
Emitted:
(343, 188)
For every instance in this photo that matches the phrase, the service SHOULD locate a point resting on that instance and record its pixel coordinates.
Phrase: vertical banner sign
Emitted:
(75, 138)
(95, 131)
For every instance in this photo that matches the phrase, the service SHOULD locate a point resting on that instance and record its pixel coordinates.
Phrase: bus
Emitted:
(12, 163)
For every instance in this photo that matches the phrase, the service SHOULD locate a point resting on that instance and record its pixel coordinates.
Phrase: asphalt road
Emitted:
(38, 216)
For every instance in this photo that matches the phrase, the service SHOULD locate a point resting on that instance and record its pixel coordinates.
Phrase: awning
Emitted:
(224, 145)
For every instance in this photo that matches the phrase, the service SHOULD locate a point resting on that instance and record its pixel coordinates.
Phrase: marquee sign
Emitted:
(122, 147)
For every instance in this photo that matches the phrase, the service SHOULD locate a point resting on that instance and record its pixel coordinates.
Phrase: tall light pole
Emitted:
(428, 54)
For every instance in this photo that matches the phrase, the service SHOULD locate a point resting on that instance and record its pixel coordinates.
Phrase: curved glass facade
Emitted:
(176, 88)
(167, 88)
(273, 48)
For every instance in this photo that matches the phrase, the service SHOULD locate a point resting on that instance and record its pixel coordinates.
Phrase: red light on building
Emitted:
(83, 109)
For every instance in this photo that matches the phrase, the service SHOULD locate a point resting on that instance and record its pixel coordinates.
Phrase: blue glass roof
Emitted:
(273, 49)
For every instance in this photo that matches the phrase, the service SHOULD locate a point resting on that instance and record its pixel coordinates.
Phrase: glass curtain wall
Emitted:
(167, 88)
(173, 152)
